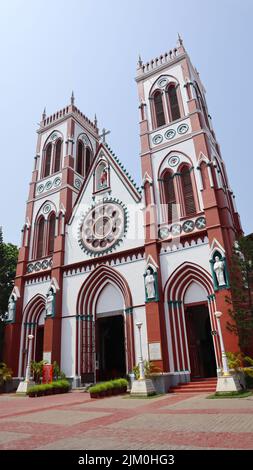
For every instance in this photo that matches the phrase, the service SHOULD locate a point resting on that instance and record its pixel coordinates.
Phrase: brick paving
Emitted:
(73, 421)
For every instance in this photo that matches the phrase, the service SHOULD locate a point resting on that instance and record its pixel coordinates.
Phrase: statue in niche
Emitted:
(219, 267)
(150, 284)
(11, 309)
(50, 303)
(103, 178)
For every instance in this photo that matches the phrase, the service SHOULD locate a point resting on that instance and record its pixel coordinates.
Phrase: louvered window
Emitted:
(48, 160)
(159, 112)
(40, 238)
(170, 197)
(187, 191)
(173, 103)
(57, 161)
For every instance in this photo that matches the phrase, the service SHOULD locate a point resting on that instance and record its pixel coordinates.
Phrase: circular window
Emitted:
(102, 227)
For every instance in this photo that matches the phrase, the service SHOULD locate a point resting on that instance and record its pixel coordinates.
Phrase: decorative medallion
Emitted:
(40, 188)
(200, 223)
(157, 139)
(57, 181)
(162, 82)
(176, 229)
(183, 128)
(30, 268)
(170, 134)
(173, 161)
(84, 139)
(44, 264)
(54, 136)
(37, 266)
(46, 208)
(188, 226)
(77, 183)
(102, 227)
(48, 185)
(164, 232)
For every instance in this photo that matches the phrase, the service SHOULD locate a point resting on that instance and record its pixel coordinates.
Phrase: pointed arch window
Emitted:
(174, 109)
(48, 155)
(57, 160)
(169, 194)
(40, 239)
(187, 189)
(80, 155)
(158, 108)
(51, 233)
(87, 160)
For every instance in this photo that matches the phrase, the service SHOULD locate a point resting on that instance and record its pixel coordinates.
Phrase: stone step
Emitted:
(197, 390)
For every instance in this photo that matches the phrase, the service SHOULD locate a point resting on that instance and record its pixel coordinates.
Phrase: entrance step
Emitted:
(196, 386)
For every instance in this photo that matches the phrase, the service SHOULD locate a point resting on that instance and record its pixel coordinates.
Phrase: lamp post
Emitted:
(28, 367)
(141, 363)
(223, 354)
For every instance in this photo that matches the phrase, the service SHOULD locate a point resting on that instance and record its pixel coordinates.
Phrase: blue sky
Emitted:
(48, 48)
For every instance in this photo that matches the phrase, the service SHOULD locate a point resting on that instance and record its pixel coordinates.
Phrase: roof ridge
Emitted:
(123, 168)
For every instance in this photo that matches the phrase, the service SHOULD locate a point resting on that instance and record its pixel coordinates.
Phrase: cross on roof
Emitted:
(104, 133)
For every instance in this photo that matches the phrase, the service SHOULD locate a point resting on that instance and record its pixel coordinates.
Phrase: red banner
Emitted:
(47, 373)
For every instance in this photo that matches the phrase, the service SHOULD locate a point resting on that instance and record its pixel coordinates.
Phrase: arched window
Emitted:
(169, 195)
(158, 107)
(187, 189)
(48, 160)
(174, 109)
(57, 160)
(87, 160)
(40, 238)
(51, 232)
(79, 162)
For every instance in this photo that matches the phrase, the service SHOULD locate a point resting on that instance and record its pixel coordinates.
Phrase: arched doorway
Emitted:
(199, 332)
(190, 306)
(33, 323)
(110, 334)
(39, 338)
(105, 341)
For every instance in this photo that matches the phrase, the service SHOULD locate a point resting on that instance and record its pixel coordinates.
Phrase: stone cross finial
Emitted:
(104, 133)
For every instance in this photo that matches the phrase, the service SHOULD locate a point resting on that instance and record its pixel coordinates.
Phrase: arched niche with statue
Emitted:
(151, 283)
(219, 270)
(51, 299)
(10, 315)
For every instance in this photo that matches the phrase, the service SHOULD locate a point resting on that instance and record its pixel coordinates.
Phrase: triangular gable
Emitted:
(116, 165)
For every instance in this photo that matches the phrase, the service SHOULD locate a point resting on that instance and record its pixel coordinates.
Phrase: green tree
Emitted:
(8, 263)
(241, 277)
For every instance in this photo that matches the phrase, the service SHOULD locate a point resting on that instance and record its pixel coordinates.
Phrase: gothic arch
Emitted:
(183, 276)
(32, 312)
(94, 282)
(86, 314)
(174, 293)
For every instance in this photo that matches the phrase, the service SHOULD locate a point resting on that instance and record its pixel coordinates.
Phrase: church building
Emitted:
(106, 266)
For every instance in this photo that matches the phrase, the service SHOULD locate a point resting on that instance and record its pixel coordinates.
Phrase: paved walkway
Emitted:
(74, 421)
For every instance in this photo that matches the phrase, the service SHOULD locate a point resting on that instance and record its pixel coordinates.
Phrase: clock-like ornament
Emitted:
(102, 227)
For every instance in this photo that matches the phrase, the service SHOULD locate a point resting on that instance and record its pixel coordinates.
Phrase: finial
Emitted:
(140, 61)
(180, 40)
(95, 120)
(72, 99)
(44, 114)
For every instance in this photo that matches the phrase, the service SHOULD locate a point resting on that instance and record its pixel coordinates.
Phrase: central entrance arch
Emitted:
(105, 341)
(110, 334)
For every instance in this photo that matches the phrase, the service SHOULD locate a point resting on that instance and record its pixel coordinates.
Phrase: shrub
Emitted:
(46, 389)
(103, 387)
(149, 369)
(5, 373)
